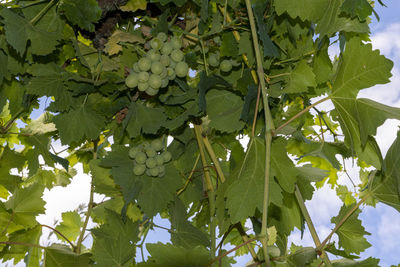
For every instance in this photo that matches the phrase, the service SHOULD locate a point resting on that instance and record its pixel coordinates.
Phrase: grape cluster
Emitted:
(163, 62)
(150, 158)
(214, 61)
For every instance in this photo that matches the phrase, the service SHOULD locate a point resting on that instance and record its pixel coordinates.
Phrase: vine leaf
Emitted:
(206, 83)
(19, 31)
(114, 243)
(83, 13)
(224, 110)
(170, 255)
(61, 256)
(304, 9)
(133, 5)
(113, 47)
(79, 123)
(351, 233)
(70, 226)
(370, 262)
(26, 203)
(300, 79)
(185, 234)
(101, 179)
(360, 8)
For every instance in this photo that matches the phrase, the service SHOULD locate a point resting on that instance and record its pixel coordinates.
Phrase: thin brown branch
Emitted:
(60, 234)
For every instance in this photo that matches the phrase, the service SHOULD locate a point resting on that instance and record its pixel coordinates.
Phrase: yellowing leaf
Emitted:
(133, 5)
(113, 47)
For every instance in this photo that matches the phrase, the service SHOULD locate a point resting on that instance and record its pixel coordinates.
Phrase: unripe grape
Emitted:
(133, 152)
(165, 60)
(172, 64)
(161, 170)
(143, 86)
(140, 157)
(154, 171)
(226, 65)
(143, 76)
(139, 169)
(176, 43)
(181, 69)
(150, 152)
(154, 55)
(155, 81)
(162, 36)
(164, 73)
(156, 43)
(171, 73)
(132, 80)
(157, 144)
(167, 156)
(136, 67)
(177, 55)
(213, 60)
(151, 91)
(144, 64)
(157, 67)
(164, 82)
(160, 160)
(217, 40)
(151, 163)
(166, 49)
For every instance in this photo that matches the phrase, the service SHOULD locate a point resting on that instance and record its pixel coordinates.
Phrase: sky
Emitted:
(383, 222)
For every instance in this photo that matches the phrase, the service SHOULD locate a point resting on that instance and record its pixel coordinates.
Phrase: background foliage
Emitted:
(79, 54)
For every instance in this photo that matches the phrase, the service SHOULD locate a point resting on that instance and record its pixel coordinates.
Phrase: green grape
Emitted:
(164, 82)
(161, 170)
(136, 67)
(274, 251)
(153, 55)
(155, 81)
(164, 73)
(172, 64)
(148, 172)
(181, 69)
(132, 80)
(150, 152)
(165, 60)
(143, 86)
(176, 43)
(171, 73)
(166, 49)
(151, 163)
(213, 60)
(160, 160)
(177, 55)
(151, 91)
(143, 76)
(144, 64)
(157, 144)
(157, 67)
(167, 156)
(140, 157)
(217, 40)
(226, 65)
(133, 152)
(139, 169)
(154, 171)
(156, 43)
(162, 36)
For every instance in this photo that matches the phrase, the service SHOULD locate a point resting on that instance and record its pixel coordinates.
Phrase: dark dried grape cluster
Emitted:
(150, 158)
(163, 62)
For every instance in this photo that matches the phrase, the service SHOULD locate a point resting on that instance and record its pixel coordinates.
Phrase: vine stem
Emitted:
(214, 159)
(60, 234)
(342, 221)
(269, 128)
(230, 251)
(300, 114)
(90, 206)
(210, 188)
(189, 177)
(310, 225)
(11, 121)
(42, 12)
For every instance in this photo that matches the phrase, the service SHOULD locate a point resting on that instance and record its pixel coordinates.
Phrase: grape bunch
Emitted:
(163, 63)
(150, 158)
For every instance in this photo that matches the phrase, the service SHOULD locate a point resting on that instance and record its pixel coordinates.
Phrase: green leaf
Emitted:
(370, 262)
(270, 50)
(304, 9)
(229, 47)
(26, 204)
(169, 255)
(360, 8)
(206, 83)
(224, 110)
(332, 21)
(322, 66)
(184, 234)
(133, 5)
(300, 79)
(302, 256)
(360, 67)
(351, 233)
(60, 256)
(102, 180)
(77, 124)
(114, 242)
(83, 13)
(70, 226)
(113, 47)
(19, 31)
